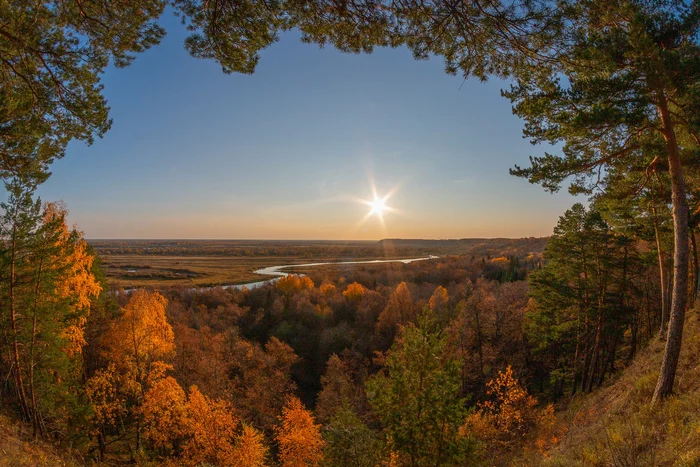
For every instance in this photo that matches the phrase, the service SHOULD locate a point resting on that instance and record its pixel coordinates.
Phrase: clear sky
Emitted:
(287, 152)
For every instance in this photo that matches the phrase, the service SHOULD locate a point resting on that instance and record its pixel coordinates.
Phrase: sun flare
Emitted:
(377, 206)
(379, 209)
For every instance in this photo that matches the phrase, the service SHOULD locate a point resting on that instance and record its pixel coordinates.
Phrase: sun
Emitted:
(378, 206)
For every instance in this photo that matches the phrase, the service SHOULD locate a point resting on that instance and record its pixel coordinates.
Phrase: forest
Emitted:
(473, 358)
(432, 362)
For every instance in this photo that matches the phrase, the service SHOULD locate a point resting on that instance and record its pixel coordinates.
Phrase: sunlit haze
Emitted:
(378, 207)
(288, 151)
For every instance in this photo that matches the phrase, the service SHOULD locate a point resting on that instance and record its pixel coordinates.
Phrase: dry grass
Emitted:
(195, 271)
(17, 450)
(617, 426)
(127, 271)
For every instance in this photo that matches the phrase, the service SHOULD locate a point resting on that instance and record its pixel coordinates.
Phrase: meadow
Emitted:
(204, 263)
(158, 263)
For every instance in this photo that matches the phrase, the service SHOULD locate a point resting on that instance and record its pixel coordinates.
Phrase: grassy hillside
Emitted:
(617, 426)
(18, 450)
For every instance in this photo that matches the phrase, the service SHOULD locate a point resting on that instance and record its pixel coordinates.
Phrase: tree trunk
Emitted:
(36, 426)
(633, 343)
(662, 277)
(586, 360)
(648, 307)
(577, 351)
(595, 357)
(664, 386)
(696, 268)
(15, 328)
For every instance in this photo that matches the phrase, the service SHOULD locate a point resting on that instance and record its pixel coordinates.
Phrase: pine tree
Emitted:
(417, 397)
(620, 86)
(349, 442)
(46, 300)
(581, 297)
(20, 221)
(53, 54)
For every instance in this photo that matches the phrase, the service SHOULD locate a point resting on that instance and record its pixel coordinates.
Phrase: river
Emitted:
(278, 273)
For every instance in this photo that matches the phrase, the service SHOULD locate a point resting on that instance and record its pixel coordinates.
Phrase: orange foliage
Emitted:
(354, 291)
(511, 415)
(327, 288)
(76, 284)
(293, 283)
(263, 380)
(163, 410)
(512, 405)
(201, 359)
(399, 310)
(205, 430)
(141, 340)
(549, 435)
(298, 437)
(250, 449)
(336, 388)
(439, 299)
(80, 283)
(211, 429)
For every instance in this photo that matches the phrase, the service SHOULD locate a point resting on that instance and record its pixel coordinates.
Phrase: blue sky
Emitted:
(287, 152)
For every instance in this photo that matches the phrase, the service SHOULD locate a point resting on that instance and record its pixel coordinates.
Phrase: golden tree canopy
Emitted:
(141, 340)
(354, 291)
(298, 437)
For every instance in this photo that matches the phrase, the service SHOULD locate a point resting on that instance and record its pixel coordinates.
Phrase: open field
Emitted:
(159, 271)
(201, 263)
(168, 263)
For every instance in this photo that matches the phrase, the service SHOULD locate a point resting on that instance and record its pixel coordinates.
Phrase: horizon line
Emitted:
(310, 239)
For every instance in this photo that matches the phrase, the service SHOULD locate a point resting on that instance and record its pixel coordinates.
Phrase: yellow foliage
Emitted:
(327, 288)
(141, 340)
(439, 299)
(250, 449)
(74, 336)
(354, 291)
(102, 392)
(391, 460)
(80, 284)
(298, 437)
(77, 284)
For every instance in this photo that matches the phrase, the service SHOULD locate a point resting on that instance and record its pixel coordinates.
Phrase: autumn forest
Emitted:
(576, 349)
